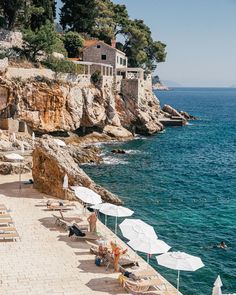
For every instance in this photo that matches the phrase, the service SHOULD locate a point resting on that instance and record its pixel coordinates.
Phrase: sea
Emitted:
(183, 182)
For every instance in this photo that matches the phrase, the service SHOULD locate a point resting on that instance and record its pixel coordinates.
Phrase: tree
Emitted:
(73, 42)
(78, 15)
(109, 20)
(140, 48)
(41, 41)
(40, 12)
(11, 9)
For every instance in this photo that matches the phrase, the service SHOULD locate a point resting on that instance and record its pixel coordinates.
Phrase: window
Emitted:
(98, 46)
(117, 59)
(124, 62)
(121, 60)
(104, 57)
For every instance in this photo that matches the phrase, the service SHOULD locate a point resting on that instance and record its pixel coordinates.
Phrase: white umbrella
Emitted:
(217, 287)
(59, 142)
(180, 261)
(87, 195)
(116, 211)
(134, 228)
(149, 246)
(18, 158)
(65, 182)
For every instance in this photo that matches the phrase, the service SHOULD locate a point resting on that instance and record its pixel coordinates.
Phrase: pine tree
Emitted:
(78, 15)
(10, 10)
(42, 11)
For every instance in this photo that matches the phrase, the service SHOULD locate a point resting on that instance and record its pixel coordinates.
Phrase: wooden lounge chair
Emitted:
(5, 215)
(5, 221)
(7, 228)
(124, 261)
(9, 236)
(143, 286)
(58, 208)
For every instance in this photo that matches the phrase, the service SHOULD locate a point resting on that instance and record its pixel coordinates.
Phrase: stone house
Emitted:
(99, 52)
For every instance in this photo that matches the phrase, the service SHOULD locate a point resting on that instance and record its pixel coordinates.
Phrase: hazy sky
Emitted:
(200, 37)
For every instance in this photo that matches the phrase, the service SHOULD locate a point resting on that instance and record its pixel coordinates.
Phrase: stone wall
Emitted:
(94, 54)
(130, 88)
(3, 65)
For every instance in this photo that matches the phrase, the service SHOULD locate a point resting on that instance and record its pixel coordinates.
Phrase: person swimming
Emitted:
(222, 245)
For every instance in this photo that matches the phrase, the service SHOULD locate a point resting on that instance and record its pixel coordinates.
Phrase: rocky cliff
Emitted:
(52, 105)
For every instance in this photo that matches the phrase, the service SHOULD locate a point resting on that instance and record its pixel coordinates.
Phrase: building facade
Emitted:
(100, 52)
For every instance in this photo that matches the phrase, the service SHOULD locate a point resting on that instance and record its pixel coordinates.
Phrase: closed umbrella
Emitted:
(22, 148)
(65, 184)
(217, 287)
(180, 261)
(87, 195)
(116, 211)
(134, 228)
(149, 246)
(16, 158)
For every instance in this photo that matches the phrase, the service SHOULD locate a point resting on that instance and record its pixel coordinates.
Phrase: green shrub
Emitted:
(96, 77)
(63, 66)
(73, 43)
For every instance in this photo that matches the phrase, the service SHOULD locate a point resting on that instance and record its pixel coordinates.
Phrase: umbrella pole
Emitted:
(178, 282)
(105, 220)
(20, 177)
(116, 226)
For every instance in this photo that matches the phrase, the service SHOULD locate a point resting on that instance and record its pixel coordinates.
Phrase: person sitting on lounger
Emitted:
(117, 252)
(54, 204)
(92, 219)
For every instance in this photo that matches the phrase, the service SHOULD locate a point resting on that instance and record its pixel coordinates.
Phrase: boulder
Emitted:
(187, 116)
(14, 168)
(173, 112)
(117, 132)
(51, 162)
(118, 151)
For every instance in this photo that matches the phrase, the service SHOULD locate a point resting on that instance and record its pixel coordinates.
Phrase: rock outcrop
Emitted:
(51, 162)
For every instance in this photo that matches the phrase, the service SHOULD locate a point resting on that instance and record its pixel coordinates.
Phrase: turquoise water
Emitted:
(183, 182)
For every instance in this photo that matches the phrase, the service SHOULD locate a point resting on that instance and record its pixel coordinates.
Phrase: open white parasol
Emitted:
(180, 261)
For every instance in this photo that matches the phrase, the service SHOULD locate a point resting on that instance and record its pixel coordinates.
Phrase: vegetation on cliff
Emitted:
(101, 19)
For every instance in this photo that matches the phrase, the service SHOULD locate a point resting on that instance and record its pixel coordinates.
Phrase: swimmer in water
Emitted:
(222, 245)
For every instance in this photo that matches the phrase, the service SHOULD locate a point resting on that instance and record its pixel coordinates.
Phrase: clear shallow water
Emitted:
(183, 182)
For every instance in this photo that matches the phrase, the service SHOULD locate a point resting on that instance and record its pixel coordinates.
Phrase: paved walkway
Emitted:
(45, 261)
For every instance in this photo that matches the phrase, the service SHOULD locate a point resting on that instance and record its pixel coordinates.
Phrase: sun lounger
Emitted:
(58, 208)
(5, 215)
(143, 286)
(5, 221)
(124, 261)
(88, 236)
(9, 236)
(7, 228)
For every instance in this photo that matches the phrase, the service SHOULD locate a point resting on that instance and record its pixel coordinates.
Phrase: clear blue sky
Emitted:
(200, 37)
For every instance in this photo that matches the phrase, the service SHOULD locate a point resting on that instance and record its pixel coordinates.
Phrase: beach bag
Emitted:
(98, 261)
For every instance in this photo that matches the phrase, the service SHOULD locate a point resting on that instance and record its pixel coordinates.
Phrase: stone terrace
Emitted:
(45, 261)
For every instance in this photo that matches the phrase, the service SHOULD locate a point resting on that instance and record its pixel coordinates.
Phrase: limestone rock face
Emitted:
(53, 106)
(51, 163)
(140, 115)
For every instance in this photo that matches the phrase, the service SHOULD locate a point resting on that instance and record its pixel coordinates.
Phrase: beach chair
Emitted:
(9, 235)
(124, 261)
(87, 235)
(58, 208)
(5, 221)
(142, 286)
(5, 215)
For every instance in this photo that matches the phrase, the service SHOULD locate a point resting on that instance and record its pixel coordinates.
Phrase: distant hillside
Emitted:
(171, 83)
